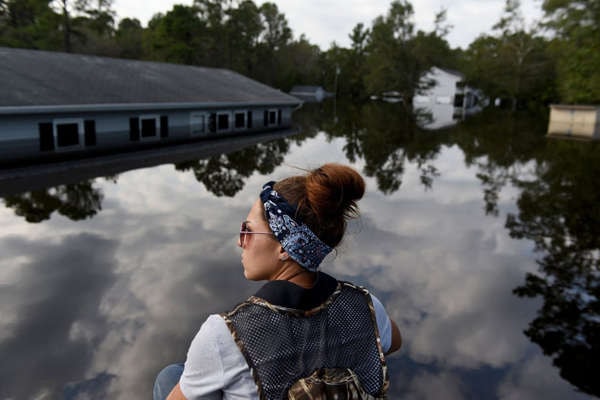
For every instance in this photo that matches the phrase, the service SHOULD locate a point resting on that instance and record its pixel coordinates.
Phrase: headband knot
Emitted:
(295, 237)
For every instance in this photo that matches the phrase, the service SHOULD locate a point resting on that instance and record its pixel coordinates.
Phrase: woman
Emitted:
(303, 334)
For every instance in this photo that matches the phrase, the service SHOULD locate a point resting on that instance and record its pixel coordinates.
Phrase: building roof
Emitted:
(306, 89)
(41, 79)
(452, 72)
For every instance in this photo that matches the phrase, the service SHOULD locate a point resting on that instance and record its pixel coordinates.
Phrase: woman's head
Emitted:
(299, 220)
(325, 199)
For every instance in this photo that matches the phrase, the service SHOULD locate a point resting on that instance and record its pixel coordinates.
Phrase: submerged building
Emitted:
(54, 104)
(448, 99)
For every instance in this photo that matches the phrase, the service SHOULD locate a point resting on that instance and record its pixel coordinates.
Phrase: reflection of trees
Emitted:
(75, 201)
(386, 137)
(559, 210)
(499, 145)
(224, 175)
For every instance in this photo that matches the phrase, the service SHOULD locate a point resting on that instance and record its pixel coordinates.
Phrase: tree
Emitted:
(175, 36)
(391, 65)
(276, 32)
(74, 201)
(275, 36)
(514, 64)
(243, 28)
(558, 211)
(29, 24)
(398, 59)
(355, 66)
(576, 24)
(129, 37)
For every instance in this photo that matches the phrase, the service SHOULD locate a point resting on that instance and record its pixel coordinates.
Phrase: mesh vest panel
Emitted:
(282, 346)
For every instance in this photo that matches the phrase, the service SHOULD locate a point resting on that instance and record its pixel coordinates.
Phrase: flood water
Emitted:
(482, 240)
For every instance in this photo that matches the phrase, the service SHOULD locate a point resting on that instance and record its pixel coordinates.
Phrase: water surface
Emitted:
(481, 240)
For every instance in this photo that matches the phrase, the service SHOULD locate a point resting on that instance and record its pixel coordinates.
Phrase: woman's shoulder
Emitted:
(214, 325)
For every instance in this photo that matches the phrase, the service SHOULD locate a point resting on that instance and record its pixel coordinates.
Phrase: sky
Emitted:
(325, 21)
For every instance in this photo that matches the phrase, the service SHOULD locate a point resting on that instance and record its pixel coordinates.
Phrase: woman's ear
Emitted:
(283, 255)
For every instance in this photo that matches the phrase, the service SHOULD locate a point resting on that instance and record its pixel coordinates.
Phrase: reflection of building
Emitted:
(577, 121)
(56, 104)
(448, 99)
(310, 94)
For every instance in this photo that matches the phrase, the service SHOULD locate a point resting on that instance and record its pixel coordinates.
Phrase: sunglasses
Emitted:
(244, 231)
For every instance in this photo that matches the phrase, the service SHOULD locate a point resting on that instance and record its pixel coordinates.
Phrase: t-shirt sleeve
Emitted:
(384, 324)
(215, 367)
(203, 375)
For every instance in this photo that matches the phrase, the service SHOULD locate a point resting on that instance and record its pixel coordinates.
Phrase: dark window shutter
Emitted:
(134, 129)
(89, 127)
(46, 136)
(249, 120)
(212, 122)
(164, 126)
(266, 118)
(279, 117)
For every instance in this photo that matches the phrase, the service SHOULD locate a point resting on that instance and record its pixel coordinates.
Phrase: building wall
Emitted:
(44, 135)
(442, 92)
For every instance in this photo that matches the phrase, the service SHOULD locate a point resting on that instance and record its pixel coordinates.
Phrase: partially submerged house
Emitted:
(57, 103)
(310, 93)
(448, 99)
(577, 121)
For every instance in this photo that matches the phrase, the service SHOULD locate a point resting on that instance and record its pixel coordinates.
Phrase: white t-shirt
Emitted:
(216, 369)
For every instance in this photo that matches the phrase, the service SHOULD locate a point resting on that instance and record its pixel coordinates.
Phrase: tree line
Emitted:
(554, 60)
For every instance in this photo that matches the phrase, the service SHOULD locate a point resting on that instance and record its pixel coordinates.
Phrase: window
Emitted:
(272, 117)
(68, 134)
(458, 100)
(223, 123)
(240, 120)
(148, 127)
(197, 124)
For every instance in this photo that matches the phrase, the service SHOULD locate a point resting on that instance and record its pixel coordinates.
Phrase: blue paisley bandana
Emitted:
(295, 237)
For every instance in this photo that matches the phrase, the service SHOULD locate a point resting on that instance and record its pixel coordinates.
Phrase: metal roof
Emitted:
(452, 72)
(39, 80)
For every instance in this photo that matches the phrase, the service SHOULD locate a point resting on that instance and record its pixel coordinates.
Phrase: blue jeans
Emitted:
(166, 380)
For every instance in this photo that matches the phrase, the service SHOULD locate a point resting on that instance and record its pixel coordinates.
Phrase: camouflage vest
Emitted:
(330, 351)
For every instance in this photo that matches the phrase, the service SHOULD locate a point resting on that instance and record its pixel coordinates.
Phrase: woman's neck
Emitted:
(297, 275)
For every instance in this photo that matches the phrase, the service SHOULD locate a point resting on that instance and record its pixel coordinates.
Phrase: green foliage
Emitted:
(514, 64)
(397, 59)
(129, 38)
(576, 48)
(175, 36)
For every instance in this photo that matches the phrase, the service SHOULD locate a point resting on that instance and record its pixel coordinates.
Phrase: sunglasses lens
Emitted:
(243, 230)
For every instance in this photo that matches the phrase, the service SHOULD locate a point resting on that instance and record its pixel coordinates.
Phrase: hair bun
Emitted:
(333, 189)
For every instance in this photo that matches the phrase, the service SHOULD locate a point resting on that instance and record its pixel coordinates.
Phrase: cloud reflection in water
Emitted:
(96, 308)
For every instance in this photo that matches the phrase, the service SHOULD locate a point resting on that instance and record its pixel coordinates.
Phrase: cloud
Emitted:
(447, 386)
(324, 22)
(536, 378)
(102, 305)
(55, 300)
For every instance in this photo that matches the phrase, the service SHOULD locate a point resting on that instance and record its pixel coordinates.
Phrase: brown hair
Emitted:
(325, 199)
